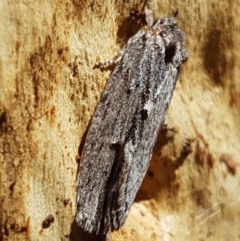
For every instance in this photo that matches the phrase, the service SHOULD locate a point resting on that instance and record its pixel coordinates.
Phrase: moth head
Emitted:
(173, 39)
(166, 28)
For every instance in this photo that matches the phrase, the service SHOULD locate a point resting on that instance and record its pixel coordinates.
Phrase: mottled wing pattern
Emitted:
(125, 126)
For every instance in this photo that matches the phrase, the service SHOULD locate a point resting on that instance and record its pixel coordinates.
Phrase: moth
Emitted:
(126, 123)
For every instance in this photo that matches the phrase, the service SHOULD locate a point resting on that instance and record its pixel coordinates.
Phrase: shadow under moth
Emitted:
(126, 123)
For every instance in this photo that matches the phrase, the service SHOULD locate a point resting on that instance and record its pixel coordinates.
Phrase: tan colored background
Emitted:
(48, 92)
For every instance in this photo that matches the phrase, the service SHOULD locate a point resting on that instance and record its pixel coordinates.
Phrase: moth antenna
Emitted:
(149, 13)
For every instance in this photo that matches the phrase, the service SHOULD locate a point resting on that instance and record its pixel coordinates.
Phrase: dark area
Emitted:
(3, 121)
(144, 114)
(166, 135)
(170, 52)
(130, 26)
(48, 221)
(186, 150)
(214, 58)
(66, 201)
(150, 174)
(220, 41)
(138, 17)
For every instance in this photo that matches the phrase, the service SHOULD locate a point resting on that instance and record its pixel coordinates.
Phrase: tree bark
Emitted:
(50, 88)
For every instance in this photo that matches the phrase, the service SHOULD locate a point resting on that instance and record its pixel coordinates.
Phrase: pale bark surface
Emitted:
(48, 92)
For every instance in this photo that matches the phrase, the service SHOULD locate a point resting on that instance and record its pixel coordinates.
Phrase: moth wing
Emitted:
(141, 114)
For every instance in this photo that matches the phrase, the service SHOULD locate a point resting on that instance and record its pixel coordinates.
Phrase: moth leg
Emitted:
(108, 63)
(149, 13)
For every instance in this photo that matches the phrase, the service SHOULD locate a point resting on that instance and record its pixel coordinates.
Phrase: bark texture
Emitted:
(48, 93)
